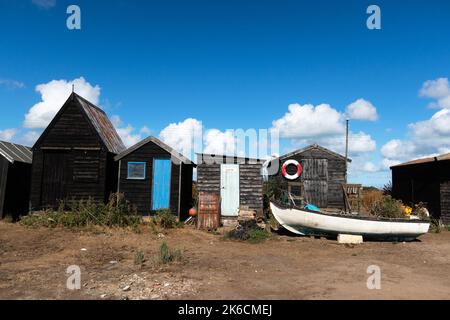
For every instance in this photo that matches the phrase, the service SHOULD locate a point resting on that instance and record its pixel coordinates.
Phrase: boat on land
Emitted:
(303, 221)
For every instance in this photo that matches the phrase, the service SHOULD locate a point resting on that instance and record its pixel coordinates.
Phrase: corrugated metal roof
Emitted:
(102, 125)
(16, 152)
(442, 157)
(159, 143)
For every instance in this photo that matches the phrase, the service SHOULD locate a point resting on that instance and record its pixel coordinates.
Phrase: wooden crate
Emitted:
(208, 211)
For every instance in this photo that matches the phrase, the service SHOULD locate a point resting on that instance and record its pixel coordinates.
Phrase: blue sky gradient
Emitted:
(231, 64)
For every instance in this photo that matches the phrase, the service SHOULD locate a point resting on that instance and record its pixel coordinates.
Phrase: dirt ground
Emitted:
(33, 265)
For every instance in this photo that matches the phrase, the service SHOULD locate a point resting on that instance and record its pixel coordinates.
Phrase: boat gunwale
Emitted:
(367, 218)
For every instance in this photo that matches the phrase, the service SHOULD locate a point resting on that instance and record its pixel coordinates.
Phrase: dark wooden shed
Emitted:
(15, 178)
(153, 176)
(323, 172)
(238, 181)
(424, 180)
(74, 157)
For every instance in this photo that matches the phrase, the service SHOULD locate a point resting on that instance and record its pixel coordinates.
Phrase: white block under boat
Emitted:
(306, 222)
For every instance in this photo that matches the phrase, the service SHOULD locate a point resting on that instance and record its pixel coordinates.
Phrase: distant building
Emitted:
(74, 157)
(424, 180)
(15, 173)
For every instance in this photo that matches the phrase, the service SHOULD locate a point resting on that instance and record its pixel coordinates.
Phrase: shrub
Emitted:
(435, 226)
(116, 213)
(167, 255)
(370, 196)
(387, 207)
(387, 189)
(248, 231)
(257, 235)
(166, 219)
(139, 258)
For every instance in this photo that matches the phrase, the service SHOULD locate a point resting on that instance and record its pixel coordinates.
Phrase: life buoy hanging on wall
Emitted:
(291, 176)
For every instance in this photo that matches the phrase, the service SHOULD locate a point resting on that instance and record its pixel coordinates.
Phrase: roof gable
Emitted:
(15, 152)
(312, 147)
(98, 121)
(160, 144)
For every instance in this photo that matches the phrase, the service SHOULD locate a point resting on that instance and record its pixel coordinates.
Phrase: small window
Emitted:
(136, 170)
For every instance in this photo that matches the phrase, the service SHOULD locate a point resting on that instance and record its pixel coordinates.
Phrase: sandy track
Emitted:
(33, 264)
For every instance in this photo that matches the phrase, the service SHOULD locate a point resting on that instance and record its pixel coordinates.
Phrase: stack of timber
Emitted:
(208, 211)
(246, 214)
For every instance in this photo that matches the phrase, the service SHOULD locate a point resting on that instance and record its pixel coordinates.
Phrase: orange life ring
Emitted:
(291, 176)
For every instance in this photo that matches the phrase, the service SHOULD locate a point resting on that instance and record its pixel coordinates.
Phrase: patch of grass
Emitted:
(435, 226)
(167, 255)
(247, 231)
(84, 213)
(258, 235)
(139, 258)
(167, 220)
(447, 227)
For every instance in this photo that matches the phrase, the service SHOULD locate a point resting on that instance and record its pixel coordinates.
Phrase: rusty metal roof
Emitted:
(442, 157)
(102, 125)
(15, 152)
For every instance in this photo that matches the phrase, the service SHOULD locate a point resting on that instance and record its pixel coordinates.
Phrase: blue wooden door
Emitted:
(229, 189)
(161, 184)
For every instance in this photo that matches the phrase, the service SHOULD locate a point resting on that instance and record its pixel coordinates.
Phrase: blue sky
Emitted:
(240, 64)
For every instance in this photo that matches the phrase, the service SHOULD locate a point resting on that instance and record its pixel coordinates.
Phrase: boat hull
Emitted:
(304, 222)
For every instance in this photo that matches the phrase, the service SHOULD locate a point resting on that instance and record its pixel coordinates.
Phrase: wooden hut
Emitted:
(153, 176)
(314, 174)
(424, 180)
(238, 181)
(15, 174)
(74, 157)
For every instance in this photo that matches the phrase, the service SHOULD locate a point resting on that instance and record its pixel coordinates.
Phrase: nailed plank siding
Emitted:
(88, 172)
(445, 202)
(322, 177)
(139, 192)
(250, 180)
(3, 179)
(424, 182)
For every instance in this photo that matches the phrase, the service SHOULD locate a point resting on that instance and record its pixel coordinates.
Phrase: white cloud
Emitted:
(370, 167)
(30, 137)
(439, 90)
(45, 4)
(53, 96)
(127, 132)
(7, 134)
(11, 84)
(362, 110)
(185, 136)
(218, 142)
(428, 137)
(303, 121)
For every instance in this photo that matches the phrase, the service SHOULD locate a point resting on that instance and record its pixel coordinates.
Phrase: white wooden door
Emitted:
(229, 189)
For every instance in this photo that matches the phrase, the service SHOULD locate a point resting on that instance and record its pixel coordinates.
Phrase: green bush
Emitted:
(167, 255)
(257, 235)
(82, 213)
(166, 219)
(435, 226)
(248, 231)
(387, 207)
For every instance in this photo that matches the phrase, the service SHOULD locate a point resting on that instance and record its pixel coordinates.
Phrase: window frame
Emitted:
(136, 162)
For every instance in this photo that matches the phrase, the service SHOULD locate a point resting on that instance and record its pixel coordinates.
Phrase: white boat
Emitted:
(307, 222)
